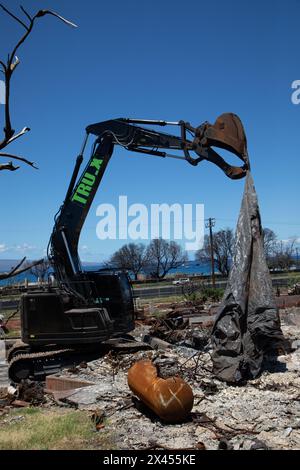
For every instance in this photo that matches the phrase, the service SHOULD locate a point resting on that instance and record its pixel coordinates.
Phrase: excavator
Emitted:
(78, 310)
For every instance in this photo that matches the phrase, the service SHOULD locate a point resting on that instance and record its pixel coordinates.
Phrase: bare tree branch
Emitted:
(40, 269)
(13, 16)
(21, 159)
(50, 12)
(12, 55)
(15, 271)
(162, 256)
(14, 64)
(8, 70)
(8, 131)
(131, 257)
(223, 248)
(8, 166)
(18, 265)
(26, 13)
(16, 136)
(12, 271)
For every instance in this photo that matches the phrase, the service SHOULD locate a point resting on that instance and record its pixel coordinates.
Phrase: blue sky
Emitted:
(170, 60)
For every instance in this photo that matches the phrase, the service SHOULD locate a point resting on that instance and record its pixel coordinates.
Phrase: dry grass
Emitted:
(41, 429)
(12, 334)
(161, 300)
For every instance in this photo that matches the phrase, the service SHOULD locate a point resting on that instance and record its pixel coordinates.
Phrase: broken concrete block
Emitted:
(87, 396)
(156, 343)
(63, 394)
(295, 344)
(54, 383)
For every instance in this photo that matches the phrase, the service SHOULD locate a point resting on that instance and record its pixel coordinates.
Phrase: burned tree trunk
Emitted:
(18, 269)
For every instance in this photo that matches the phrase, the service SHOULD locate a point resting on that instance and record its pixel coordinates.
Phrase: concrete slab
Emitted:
(62, 394)
(88, 395)
(106, 394)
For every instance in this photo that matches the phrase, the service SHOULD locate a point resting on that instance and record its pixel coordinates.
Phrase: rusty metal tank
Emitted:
(171, 399)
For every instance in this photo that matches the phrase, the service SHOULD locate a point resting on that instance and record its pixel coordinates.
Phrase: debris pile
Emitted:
(30, 392)
(6, 398)
(182, 326)
(295, 289)
(262, 414)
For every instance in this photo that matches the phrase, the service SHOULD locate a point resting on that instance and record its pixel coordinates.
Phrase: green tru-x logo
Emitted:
(87, 182)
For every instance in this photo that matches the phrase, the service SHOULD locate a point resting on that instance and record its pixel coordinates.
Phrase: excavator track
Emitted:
(36, 365)
(127, 347)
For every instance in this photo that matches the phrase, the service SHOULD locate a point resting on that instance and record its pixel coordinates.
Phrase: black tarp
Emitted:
(247, 326)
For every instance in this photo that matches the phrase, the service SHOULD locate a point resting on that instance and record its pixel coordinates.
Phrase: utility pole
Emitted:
(210, 224)
(296, 249)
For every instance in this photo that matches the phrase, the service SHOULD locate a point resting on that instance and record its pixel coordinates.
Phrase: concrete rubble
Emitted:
(262, 414)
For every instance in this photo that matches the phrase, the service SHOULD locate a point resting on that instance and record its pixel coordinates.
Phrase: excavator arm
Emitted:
(227, 133)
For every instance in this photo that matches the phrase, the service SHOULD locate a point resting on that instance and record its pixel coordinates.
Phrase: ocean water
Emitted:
(193, 267)
(188, 269)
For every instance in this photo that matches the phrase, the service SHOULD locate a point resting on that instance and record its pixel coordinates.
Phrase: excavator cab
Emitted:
(114, 292)
(53, 315)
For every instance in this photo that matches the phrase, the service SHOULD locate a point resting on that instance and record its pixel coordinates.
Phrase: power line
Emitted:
(265, 222)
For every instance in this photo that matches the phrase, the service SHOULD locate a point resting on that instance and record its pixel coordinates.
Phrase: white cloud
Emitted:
(295, 240)
(86, 254)
(3, 248)
(24, 248)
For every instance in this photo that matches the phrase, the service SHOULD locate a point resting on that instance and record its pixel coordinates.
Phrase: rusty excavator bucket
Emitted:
(226, 133)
